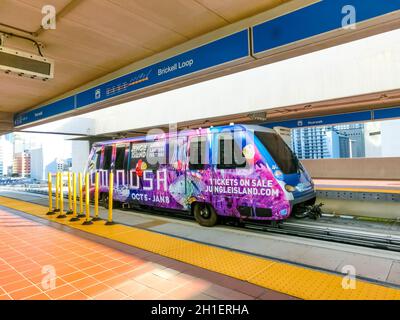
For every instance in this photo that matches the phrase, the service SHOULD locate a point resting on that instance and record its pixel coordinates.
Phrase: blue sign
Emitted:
(387, 113)
(314, 20)
(222, 51)
(323, 120)
(225, 50)
(52, 109)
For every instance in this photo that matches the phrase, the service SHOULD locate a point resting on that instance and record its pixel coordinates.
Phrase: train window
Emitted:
(280, 151)
(230, 154)
(156, 154)
(147, 156)
(138, 156)
(107, 157)
(98, 158)
(120, 158)
(172, 151)
(198, 153)
(95, 160)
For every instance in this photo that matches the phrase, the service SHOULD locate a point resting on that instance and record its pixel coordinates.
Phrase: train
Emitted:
(243, 172)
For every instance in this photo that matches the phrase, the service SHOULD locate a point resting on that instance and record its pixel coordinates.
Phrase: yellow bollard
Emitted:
(81, 214)
(110, 200)
(74, 212)
(96, 197)
(61, 196)
(57, 208)
(51, 211)
(87, 191)
(69, 194)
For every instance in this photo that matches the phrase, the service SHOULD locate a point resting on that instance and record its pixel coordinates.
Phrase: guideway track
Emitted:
(327, 233)
(330, 233)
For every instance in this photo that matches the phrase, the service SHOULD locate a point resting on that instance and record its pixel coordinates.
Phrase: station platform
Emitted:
(286, 267)
(95, 269)
(383, 186)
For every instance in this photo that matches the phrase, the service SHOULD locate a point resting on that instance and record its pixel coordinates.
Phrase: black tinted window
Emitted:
(280, 151)
(147, 156)
(107, 158)
(98, 157)
(198, 153)
(120, 158)
(230, 153)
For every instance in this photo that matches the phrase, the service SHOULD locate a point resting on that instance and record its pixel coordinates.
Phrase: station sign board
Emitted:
(205, 58)
(319, 19)
(61, 106)
(387, 113)
(215, 54)
(323, 120)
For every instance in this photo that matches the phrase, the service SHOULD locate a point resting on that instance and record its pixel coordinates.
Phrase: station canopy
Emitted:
(109, 51)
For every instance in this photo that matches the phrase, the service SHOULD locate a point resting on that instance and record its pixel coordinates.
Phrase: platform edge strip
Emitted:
(286, 278)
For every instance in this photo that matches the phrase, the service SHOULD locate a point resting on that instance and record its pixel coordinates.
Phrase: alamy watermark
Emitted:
(349, 19)
(49, 19)
(50, 276)
(349, 281)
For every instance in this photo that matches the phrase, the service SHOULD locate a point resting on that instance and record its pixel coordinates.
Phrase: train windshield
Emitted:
(280, 151)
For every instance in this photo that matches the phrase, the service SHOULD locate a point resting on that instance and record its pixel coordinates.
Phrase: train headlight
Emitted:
(278, 174)
(290, 188)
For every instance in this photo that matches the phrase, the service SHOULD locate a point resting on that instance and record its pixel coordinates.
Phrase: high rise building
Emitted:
(328, 142)
(355, 133)
(6, 156)
(43, 162)
(22, 164)
(310, 143)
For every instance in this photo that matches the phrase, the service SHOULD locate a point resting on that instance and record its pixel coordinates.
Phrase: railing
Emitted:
(55, 184)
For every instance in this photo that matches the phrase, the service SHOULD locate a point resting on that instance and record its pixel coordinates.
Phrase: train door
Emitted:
(103, 168)
(199, 172)
(148, 174)
(229, 175)
(119, 165)
(177, 167)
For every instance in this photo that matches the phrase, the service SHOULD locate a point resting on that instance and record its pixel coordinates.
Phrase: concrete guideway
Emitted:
(283, 277)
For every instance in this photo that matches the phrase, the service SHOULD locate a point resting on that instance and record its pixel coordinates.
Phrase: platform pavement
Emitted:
(85, 269)
(372, 264)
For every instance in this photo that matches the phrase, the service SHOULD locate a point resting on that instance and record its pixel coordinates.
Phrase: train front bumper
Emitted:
(301, 197)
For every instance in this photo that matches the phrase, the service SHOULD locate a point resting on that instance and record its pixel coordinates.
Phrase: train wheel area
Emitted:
(292, 267)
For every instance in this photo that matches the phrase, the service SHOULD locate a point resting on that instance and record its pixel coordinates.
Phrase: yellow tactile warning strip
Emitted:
(365, 190)
(286, 278)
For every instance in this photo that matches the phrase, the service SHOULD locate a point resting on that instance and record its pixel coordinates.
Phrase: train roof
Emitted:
(217, 129)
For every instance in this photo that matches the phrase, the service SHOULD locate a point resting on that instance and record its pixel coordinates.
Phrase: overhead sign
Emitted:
(323, 120)
(387, 113)
(317, 19)
(321, 18)
(227, 50)
(361, 116)
(47, 111)
(217, 53)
